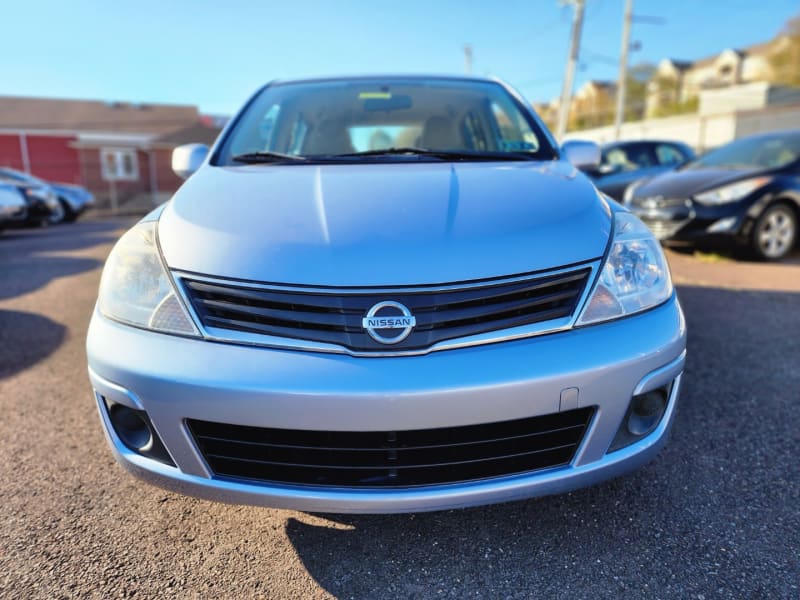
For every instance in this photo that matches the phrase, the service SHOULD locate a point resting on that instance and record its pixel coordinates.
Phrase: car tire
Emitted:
(775, 232)
(69, 214)
(57, 216)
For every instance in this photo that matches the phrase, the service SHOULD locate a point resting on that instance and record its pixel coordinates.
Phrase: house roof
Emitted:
(200, 132)
(17, 112)
(753, 50)
(593, 87)
(762, 48)
(606, 85)
(710, 60)
(681, 65)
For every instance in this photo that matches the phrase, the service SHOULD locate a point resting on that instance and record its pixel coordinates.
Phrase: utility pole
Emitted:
(468, 59)
(569, 73)
(623, 68)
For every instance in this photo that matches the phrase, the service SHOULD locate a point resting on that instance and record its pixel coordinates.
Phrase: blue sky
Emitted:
(215, 54)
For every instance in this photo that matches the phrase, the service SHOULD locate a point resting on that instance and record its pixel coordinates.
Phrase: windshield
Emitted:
(763, 152)
(628, 157)
(324, 119)
(18, 176)
(12, 175)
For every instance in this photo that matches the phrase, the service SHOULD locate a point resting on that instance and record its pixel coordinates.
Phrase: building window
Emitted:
(119, 164)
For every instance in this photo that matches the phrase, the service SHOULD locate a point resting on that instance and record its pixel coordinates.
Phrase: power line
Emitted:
(648, 19)
(591, 55)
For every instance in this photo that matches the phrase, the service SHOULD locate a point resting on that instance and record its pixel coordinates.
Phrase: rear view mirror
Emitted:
(583, 155)
(378, 102)
(188, 158)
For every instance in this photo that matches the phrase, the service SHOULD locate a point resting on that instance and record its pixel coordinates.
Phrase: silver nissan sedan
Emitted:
(385, 294)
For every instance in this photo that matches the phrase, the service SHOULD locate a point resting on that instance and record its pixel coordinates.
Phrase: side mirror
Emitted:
(187, 159)
(583, 155)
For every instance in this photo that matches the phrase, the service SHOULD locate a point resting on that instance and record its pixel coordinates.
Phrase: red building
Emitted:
(117, 150)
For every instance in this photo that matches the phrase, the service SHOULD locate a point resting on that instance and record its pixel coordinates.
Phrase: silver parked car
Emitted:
(13, 208)
(64, 202)
(75, 199)
(385, 294)
(41, 199)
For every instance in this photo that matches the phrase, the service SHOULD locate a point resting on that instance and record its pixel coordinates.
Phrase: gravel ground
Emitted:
(716, 515)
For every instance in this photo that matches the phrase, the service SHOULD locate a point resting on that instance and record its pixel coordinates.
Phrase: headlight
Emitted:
(627, 196)
(38, 193)
(135, 288)
(635, 275)
(732, 192)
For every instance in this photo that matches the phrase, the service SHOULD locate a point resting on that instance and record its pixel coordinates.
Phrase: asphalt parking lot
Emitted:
(716, 515)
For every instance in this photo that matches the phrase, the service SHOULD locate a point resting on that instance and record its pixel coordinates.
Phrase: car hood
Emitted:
(68, 187)
(383, 224)
(687, 182)
(27, 185)
(10, 196)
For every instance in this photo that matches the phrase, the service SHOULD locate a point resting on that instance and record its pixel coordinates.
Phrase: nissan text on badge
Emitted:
(385, 294)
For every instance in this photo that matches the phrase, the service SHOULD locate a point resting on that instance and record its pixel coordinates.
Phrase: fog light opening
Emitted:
(136, 432)
(131, 428)
(644, 414)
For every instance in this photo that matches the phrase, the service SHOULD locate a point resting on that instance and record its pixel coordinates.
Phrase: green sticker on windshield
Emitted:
(375, 96)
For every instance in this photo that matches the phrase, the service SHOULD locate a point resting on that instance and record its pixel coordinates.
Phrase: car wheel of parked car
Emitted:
(775, 232)
(69, 214)
(56, 215)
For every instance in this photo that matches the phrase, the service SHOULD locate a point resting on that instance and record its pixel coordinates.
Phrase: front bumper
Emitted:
(12, 213)
(174, 379)
(694, 222)
(78, 203)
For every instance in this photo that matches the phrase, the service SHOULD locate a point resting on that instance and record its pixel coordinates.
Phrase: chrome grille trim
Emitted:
(217, 334)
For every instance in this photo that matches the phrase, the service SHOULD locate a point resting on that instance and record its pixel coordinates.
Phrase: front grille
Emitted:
(335, 316)
(663, 229)
(659, 202)
(391, 458)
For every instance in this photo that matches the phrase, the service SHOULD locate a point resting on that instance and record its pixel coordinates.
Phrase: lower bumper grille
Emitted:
(391, 458)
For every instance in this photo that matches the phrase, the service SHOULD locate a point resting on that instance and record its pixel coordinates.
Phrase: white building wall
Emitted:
(776, 119)
(702, 132)
(749, 96)
(756, 68)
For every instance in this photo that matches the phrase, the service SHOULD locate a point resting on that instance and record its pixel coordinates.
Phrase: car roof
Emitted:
(623, 143)
(388, 77)
(780, 133)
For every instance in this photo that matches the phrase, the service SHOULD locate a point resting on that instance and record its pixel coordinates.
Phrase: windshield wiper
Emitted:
(445, 155)
(441, 154)
(267, 157)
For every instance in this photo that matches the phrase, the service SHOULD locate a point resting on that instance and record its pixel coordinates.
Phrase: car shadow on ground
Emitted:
(26, 339)
(713, 514)
(39, 271)
(63, 238)
(728, 252)
(30, 258)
